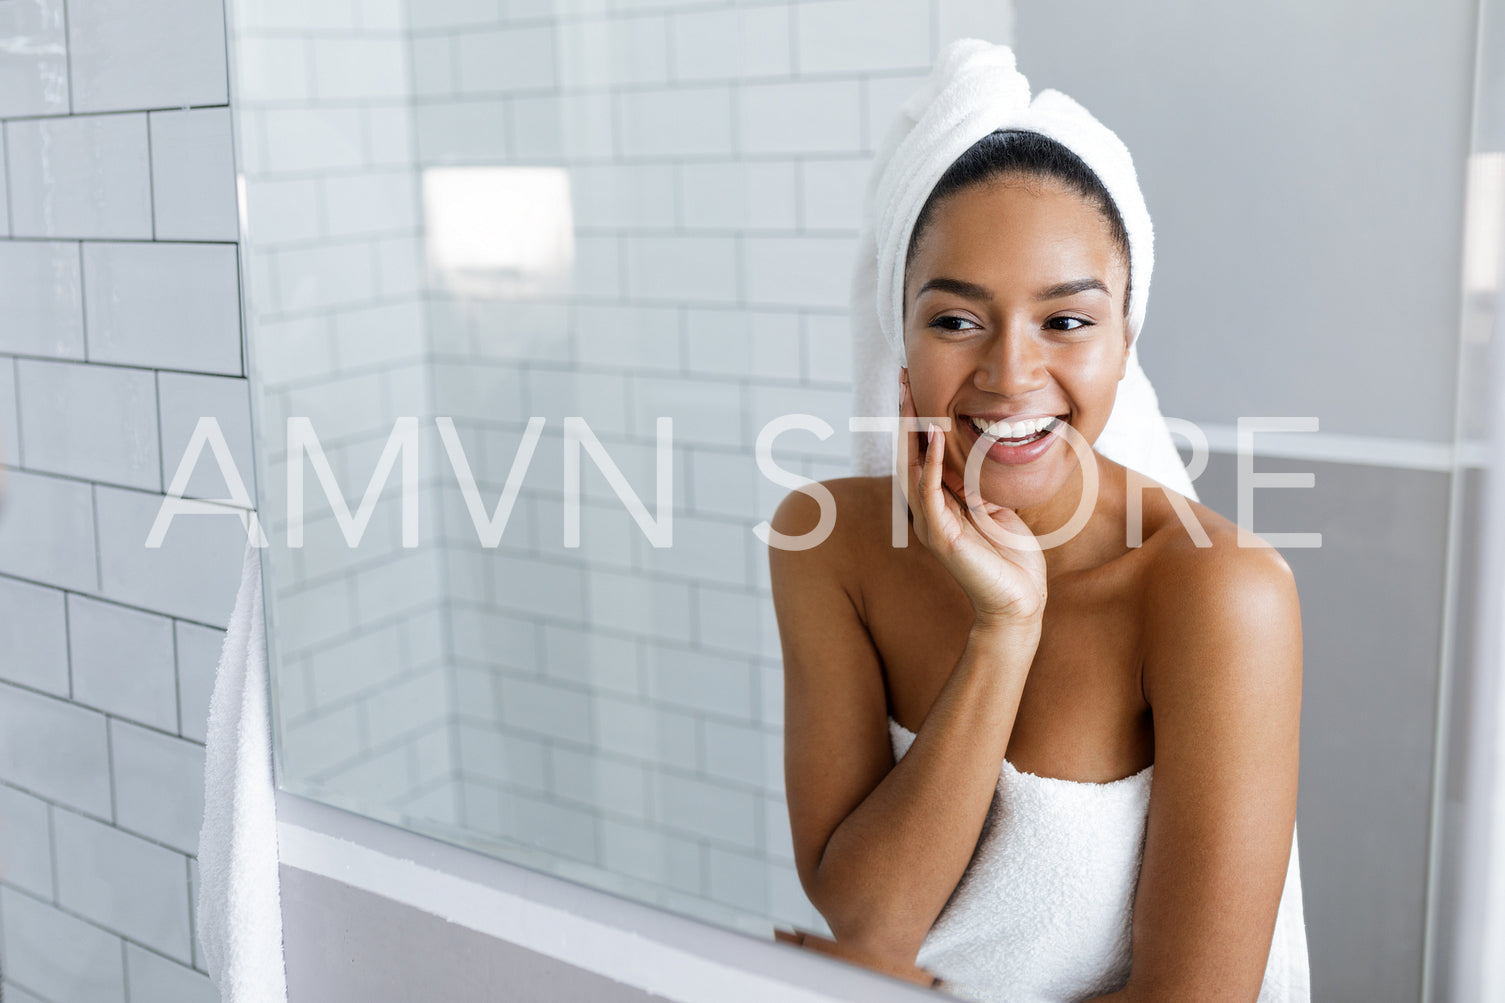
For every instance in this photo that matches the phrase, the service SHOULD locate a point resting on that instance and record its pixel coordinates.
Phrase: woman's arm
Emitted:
(880, 847)
(1222, 675)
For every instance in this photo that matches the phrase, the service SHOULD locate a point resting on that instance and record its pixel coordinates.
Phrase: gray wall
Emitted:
(1304, 164)
(1371, 624)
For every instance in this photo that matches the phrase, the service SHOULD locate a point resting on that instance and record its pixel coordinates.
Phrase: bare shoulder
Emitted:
(1222, 559)
(1221, 597)
(854, 504)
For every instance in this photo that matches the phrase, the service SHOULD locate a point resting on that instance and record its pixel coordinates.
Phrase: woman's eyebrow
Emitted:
(1062, 289)
(972, 290)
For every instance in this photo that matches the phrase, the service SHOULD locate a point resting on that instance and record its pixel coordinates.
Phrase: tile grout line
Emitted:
(99, 925)
(151, 174)
(10, 220)
(52, 846)
(67, 56)
(177, 679)
(113, 112)
(59, 238)
(97, 363)
(48, 695)
(138, 489)
(99, 819)
(193, 937)
(110, 767)
(99, 573)
(161, 439)
(15, 375)
(67, 646)
(83, 301)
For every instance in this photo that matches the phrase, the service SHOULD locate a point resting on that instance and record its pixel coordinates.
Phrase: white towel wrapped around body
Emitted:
(1044, 911)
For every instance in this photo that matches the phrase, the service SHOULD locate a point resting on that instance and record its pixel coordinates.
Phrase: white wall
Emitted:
(337, 336)
(119, 327)
(122, 325)
(619, 705)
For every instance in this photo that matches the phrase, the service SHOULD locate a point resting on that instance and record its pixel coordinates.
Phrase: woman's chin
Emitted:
(1008, 491)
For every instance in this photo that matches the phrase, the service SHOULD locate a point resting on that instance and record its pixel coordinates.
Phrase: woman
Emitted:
(973, 721)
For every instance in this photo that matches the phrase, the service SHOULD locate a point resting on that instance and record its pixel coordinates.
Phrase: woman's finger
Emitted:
(941, 512)
(953, 482)
(957, 487)
(979, 512)
(912, 458)
(920, 499)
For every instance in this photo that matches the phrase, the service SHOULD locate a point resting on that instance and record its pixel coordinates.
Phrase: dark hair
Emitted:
(1033, 155)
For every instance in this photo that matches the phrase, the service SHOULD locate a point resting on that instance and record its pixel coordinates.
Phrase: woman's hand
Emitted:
(1005, 582)
(908, 971)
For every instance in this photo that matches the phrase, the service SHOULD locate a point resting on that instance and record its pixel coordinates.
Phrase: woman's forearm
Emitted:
(890, 866)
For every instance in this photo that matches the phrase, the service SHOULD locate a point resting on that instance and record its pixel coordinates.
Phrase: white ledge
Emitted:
(1342, 447)
(650, 949)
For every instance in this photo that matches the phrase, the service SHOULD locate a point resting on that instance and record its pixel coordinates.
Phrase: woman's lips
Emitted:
(1001, 451)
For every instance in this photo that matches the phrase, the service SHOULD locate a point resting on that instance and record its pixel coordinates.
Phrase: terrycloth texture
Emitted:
(973, 90)
(239, 914)
(1044, 911)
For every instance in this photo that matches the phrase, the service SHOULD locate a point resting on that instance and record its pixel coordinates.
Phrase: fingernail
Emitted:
(930, 433)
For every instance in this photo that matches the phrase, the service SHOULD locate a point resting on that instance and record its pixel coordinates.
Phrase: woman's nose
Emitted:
(1012, 365)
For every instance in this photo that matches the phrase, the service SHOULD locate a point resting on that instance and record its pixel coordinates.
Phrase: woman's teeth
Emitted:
(1026, 428)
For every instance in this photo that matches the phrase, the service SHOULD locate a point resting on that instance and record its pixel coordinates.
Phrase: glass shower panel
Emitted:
(524, 283)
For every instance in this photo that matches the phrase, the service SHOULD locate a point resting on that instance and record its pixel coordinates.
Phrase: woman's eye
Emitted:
(1077, 321)
(943, 323)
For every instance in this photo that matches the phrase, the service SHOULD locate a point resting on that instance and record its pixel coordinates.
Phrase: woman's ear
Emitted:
(1123, 368)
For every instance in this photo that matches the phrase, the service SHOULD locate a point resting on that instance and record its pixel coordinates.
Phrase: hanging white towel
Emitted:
(239, 917)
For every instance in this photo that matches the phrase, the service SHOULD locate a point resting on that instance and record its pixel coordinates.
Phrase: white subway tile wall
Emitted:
(4, 184)
(28, 841)
(130, 54)
(119, 325)
(618, 705)
(10, 433)
(716, 156)
(335, 311)
(112, 440)
(79, 176)
(47, 534)
(62, 956)
(40, 296)
(121, 662)
(123, 882)
(193, 175)
(183, 400)
(34, 74)
(162, 305)
(34, 636)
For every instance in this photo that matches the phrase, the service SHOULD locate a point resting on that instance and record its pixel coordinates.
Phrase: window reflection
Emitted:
(498, 232)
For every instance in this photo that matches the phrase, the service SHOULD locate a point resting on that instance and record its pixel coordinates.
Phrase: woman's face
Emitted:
(1014, 308)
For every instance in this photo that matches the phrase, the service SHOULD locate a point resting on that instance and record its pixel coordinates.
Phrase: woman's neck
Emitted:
(1084, 547)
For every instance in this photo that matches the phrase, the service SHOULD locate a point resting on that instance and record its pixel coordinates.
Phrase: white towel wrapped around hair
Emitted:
(974, 90)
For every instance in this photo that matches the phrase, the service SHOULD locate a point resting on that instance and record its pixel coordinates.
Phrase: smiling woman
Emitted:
(1042, 772)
